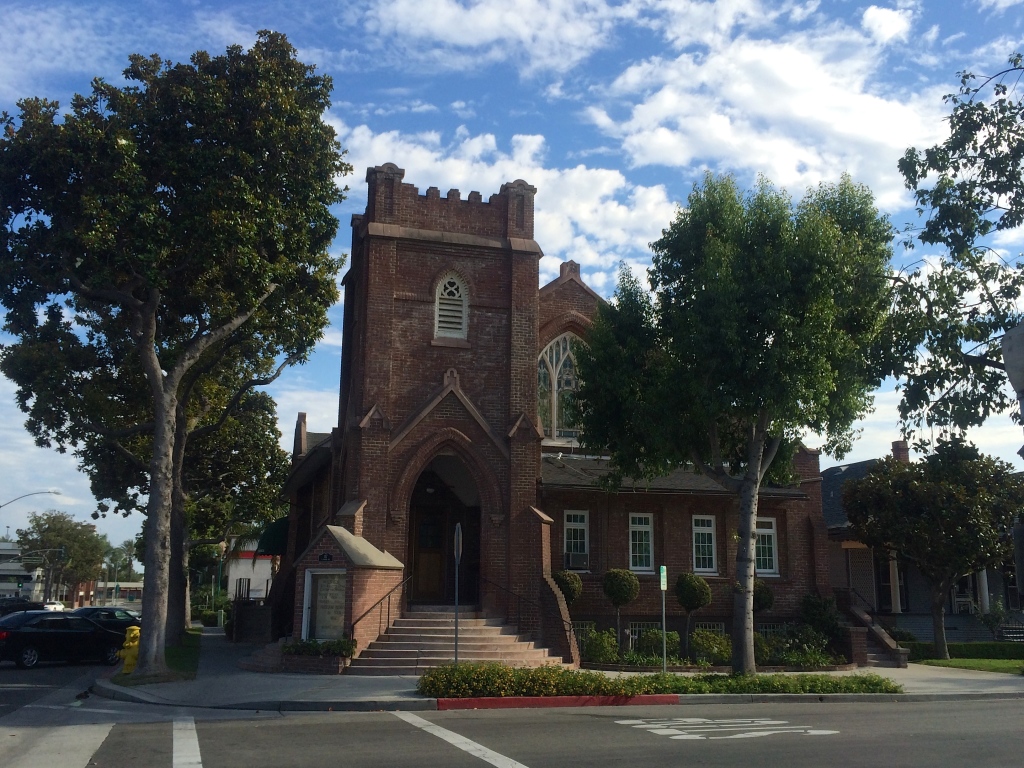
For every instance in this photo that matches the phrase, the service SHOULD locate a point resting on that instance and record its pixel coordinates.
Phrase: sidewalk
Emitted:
(220, 684)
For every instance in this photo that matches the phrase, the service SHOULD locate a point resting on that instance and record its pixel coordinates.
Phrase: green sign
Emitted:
(664, 578)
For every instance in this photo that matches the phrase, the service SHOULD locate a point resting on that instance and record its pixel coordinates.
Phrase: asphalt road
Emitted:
(105, 734)
(19, 687)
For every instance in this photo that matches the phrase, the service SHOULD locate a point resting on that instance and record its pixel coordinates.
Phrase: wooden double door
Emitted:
(434, 513)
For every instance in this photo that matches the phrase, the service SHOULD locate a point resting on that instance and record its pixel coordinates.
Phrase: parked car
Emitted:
(14, 604)
(53, 605)
(28, 637)
(117, 619)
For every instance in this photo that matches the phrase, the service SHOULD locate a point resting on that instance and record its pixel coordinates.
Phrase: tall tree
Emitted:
(970, 186)
(154, 223)
(765, 322)
(70, 551)
(950, 515)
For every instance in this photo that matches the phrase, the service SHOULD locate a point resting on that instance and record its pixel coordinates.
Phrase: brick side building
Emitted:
(455, 370)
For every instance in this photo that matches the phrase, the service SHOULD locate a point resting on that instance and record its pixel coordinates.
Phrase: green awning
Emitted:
(274, 539)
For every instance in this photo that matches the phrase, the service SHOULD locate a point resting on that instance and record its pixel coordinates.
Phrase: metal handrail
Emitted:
(519, 609)
(869, 609)
(372, 607)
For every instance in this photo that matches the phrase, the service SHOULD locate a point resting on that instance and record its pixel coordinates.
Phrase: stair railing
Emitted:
(380, 615)
(519, 608)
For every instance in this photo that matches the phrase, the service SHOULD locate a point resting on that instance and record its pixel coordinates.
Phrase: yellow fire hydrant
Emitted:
(130, 650)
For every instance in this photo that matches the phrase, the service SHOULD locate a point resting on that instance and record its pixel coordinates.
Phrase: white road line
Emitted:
(477, 750)
(69, 746)
(186, 744)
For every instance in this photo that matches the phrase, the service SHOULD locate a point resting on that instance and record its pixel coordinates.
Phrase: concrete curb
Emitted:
(106, 689)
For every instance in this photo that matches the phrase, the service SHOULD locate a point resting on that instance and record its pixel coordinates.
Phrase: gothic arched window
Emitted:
(451, 309)
(556, 386)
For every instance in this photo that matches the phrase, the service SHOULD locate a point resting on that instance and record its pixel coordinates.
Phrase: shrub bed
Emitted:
(322, 649)
(497, 680)
(989, 650)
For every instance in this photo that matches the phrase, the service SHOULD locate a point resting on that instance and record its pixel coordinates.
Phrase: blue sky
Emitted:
(611, 109)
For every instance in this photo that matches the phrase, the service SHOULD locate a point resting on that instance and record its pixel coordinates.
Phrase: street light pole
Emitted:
(25, 495)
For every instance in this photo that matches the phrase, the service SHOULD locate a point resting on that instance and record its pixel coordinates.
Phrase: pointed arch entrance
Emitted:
(445, 494)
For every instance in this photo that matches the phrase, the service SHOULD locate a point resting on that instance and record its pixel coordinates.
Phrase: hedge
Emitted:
(984, 650)
(497, 680)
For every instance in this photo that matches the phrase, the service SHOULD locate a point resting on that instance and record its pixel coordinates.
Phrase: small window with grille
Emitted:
(451, 312)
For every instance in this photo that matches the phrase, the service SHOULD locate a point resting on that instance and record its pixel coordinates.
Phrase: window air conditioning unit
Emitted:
(577, 561)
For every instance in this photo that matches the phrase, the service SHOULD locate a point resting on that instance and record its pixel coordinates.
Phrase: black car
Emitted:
(28, 637)
(117, 619)
(15, 604)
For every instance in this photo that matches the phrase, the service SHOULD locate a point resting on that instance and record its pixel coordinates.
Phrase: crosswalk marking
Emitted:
(699, 728)
(68, 746)
(477, 750)
(186, 744)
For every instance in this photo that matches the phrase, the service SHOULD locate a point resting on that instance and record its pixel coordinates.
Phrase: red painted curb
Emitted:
(540, 702)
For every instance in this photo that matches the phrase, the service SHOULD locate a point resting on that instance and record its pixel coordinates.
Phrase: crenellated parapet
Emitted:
(507, 214)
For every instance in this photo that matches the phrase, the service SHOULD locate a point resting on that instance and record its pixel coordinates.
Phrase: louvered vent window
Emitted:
(452, 319)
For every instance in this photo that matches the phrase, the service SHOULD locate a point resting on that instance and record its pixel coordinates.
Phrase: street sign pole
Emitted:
(458, 559)
(664, 640)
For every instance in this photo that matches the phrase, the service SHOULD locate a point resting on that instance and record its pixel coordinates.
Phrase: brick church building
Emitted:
(455, 370)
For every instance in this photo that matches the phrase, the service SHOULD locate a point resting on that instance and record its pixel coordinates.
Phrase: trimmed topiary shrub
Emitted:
(343, 647)
(693, 593)
(620, 587)
(764, 598)
(710, 647)
(571, 585)
(600, 647)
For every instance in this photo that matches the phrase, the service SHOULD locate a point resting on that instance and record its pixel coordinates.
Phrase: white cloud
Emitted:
(887, 24)
(997, 5)
(800, 109)
(553, 35)
(294, 395)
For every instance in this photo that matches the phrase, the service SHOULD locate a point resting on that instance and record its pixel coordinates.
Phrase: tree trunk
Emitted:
(939, 593)
(153, 639)
(178, 613)
(743, 599)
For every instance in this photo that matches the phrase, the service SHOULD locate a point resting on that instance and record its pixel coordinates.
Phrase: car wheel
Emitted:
(28, 657)
(110, 655)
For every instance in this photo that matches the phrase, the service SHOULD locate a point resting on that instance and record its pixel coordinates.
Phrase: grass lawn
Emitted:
(1009, 666)
(183, 660)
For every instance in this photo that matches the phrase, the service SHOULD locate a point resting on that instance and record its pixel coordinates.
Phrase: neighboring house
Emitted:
(455, 373)
(892, 588)
(247, 575)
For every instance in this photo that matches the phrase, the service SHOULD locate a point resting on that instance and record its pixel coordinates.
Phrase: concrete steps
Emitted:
(424, 637)
(878, 656)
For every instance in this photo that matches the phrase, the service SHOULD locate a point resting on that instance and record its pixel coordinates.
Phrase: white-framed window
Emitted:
(577, 539)
(451, 308)
(766, 558)
(641, 543)
(556, 386)
(704, 544)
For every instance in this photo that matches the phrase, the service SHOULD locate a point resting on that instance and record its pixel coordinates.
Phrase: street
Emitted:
(58, 729)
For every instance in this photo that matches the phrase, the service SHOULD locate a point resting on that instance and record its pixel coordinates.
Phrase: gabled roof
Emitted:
(585, 473)
(832, 481)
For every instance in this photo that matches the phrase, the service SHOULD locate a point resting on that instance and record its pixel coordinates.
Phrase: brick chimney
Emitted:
(901, 451)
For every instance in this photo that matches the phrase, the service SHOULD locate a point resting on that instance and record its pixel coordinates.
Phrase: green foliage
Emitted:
(900, 635)
(637, 659)
(600, 647)
(822, 615)
(764, 597)
(571, 585)
(950, 514)
(497, 680)
(995, 617)
(798, 646)
(766, 321)
(992, 650)
(620, 586)
(84, 549)
(970, 186)
(164, 248)
(693, 592)
(649, 643)
(343, 647)
(208, 618)
(710, 647)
